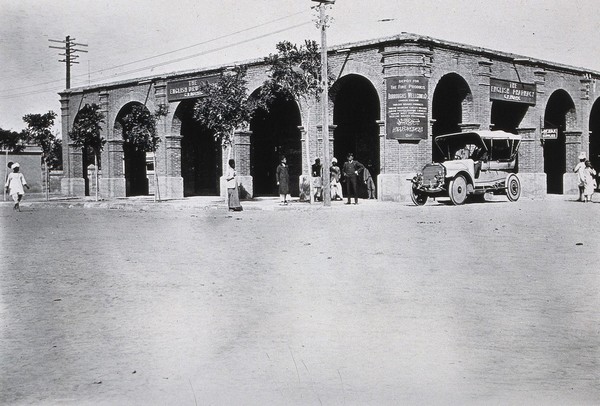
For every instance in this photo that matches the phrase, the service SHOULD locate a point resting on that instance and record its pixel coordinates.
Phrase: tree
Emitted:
(225, 106)
(139, 130)
(87, 133)
(38, 132)
(295, 73)
(12, 141)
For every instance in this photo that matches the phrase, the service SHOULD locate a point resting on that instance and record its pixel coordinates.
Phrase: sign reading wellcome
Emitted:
(187, 89)
(407, 103)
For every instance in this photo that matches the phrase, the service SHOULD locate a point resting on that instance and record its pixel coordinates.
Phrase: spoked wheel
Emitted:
(513, 187)
(417, 197)
(458, 190)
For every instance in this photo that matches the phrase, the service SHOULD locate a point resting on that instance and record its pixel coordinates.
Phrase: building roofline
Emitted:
(403, 37)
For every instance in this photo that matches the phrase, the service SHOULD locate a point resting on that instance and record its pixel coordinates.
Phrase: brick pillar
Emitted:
(72, 184)
(171, 182)
(397, 157)
(242, 141)
(113, 184)
(482, 106)
(304, 182)
(531, 164)
(319, 149)
(382, 144)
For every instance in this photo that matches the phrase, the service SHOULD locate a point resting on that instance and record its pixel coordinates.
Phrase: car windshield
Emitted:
(461, 146)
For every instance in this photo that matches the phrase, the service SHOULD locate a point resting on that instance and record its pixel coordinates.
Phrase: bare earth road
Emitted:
(375, 304)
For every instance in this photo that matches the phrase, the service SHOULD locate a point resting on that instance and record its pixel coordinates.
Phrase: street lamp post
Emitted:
(325, 100)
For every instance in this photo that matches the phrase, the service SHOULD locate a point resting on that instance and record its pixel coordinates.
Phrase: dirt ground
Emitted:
(380, 304)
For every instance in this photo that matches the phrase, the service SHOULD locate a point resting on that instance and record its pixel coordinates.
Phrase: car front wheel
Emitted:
(417, 197)
(457, 190)
(513, 187)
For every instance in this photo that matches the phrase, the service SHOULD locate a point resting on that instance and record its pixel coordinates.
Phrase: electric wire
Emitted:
(154, 57)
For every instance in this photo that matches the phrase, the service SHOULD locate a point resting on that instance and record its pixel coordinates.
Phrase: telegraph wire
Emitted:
(157, 56)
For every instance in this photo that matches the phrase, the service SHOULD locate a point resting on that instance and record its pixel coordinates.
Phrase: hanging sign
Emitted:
(517, 92)
(407, 102)
(549, 133)
(188, 88)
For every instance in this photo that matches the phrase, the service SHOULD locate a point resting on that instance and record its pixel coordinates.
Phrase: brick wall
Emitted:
(405, 55)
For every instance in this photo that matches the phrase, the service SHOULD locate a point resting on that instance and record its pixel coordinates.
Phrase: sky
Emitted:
(137, 38)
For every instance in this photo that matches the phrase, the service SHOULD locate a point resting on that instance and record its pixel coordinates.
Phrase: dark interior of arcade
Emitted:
(555, 162)
(136, 178)
(275, 133)
(507, 116)
(201, 166)
(595, 136)
(356, 112)
(447, 109)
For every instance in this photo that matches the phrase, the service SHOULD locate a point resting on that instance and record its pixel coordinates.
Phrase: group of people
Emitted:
(349, 174)
(586, 176)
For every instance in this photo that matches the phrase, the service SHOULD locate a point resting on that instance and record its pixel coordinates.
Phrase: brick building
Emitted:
(390, 99)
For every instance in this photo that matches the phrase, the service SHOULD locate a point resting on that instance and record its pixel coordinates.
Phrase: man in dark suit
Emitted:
(350, 172)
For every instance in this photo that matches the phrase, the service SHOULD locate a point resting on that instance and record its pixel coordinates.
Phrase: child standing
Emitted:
(14, 185)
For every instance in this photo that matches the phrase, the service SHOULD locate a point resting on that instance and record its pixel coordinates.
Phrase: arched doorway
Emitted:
(595, 136)
(201, 155)
(355, 113)
(134, 161)
(274, 133)
(451, 105)
(559, 114)
(87, 158)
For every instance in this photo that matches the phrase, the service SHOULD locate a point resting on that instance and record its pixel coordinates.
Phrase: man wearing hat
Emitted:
(14, 185)
(350, 172)
(580, 171)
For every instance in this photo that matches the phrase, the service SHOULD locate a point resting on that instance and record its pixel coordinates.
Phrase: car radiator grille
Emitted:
(429, 174)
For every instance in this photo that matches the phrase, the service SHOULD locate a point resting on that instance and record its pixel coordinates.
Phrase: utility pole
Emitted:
(70, 54)
(323, 20)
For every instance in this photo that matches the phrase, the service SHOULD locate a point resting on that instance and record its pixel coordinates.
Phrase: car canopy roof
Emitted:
(448, 143)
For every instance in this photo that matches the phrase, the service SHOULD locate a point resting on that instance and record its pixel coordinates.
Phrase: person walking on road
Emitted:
(233, 197)
(590, 182)
(283, 181)
(580, 171)
(14, 185)
(350, 172)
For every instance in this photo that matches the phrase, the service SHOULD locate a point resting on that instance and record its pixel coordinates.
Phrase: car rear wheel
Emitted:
(458, 190)
(513, 187)
(417, 197)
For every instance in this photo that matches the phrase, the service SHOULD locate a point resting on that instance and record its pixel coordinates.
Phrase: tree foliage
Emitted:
(226, 105)
(139, 128)
(12, 141)
(294, 72)
(38, 132)
(87, 129)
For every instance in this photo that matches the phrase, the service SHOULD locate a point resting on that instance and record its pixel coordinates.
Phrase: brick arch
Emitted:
(118, 106)
(451, 106)
(566, 106)
(467, 102)
(559, 112)
(173, 120)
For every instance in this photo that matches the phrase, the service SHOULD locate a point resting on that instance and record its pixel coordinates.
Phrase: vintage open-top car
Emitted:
(475, 163)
